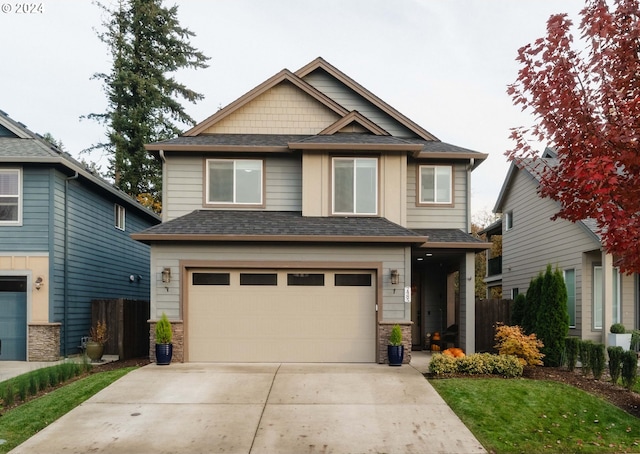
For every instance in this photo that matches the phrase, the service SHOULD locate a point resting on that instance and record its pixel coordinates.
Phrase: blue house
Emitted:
(64, 241)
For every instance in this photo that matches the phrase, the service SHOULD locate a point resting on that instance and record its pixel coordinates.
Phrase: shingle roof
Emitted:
(354, 138)
(228, 225)
(242, 140)
(451, 236)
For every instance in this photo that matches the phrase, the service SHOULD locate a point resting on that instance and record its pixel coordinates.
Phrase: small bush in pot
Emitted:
(164, 336)
(98, 336)
(395, 349)
(617, 328)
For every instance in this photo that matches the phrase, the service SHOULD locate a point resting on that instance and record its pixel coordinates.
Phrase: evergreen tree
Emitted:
(147, 44)
(530, 315)
(552, 324)
(519, 309)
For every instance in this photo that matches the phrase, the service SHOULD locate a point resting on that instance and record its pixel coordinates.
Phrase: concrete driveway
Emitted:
(261, 408)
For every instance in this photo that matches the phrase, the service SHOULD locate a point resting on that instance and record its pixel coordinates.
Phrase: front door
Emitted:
(13, 318)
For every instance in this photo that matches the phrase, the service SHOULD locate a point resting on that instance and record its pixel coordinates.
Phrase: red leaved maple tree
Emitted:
(585, 99)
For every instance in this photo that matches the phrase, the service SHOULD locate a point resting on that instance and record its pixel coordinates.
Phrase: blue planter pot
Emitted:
(164, 352)
(395, 354)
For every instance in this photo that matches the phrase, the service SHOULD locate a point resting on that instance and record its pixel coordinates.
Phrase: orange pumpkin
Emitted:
(454, 352)
(435, 348)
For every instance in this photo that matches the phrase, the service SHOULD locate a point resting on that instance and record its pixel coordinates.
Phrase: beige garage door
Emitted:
(281, 316)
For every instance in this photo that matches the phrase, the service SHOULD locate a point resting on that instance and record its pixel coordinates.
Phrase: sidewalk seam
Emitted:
(266, 401)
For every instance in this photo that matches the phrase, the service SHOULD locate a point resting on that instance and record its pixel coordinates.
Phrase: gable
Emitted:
(4, 132)
(282, 109)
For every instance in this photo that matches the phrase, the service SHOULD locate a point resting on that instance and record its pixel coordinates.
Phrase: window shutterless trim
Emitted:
(419, 201)
(355, 197)
(19, 196)
(205, 193)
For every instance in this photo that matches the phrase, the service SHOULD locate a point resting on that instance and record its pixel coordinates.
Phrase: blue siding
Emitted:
(100, 257)
(33, 234)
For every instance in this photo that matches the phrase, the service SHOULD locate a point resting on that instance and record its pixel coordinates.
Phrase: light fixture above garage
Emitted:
(395, 277)
(39, 282)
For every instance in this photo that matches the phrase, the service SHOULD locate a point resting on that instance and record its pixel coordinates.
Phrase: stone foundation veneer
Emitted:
(44, 342)
(384, 330)
(177, 328)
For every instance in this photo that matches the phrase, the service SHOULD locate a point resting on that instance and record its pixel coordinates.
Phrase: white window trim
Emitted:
(235, 161)
(119, 217)
(20, 195)
(508, 221)
(616, 316)
(435, 182)
(596, 324)
(355, 194)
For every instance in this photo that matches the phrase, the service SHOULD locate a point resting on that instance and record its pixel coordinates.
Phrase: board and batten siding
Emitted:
(434, 216)
(185, 184)
(33, 234)
(166, 298)
(535, 241)
(352, 101)
(100, 257)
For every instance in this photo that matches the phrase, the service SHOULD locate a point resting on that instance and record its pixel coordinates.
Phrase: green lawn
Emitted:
(23, 422)
(533, 416)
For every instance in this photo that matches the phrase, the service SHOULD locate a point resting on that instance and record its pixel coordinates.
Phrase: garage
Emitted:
(259, 315)
(13, 318)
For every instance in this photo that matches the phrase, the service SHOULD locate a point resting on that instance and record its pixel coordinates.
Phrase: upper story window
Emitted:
(508, 220)
(234, 181)
(10, 196)
(436, 184)
(119, 214)
(355, 186)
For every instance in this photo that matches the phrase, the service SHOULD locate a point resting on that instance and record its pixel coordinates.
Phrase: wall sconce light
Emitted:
(135, 277)
(395, 277)
(39, 282)
(166, 275)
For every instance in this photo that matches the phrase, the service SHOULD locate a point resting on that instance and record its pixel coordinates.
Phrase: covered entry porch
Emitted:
(443, 288)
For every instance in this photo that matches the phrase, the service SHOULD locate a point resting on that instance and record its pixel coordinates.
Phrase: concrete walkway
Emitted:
(261, 408)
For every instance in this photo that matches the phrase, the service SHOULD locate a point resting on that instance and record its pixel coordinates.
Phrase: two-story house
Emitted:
(64, 240)
(305, 219)
(598, 294)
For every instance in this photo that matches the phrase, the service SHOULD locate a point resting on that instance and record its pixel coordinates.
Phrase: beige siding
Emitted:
(435, 217)
(318, 180)
(352, 101)
(184, 185)
(283, 109)
(167, 298)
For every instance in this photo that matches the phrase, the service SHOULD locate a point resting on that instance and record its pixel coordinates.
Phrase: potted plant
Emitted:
(97, 338)
(395, 349)
(164, 335)
(618, 336)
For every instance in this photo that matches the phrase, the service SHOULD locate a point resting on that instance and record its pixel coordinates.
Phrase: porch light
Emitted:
(166, 275)
(39, 283)
(395, 277)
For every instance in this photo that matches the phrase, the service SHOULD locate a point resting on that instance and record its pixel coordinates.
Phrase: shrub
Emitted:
(585, 356)
(519, 309)
(571, 350)
(163, 330)
(395, 338)
(442, 364)
(598, 360)
(615, 362)
(617, 328)
(629, 369)
(508, 366)
(635, 339)
(8, 393)
(512, 341)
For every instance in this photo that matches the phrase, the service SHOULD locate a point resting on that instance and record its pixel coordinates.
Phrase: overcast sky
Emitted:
(445, 64)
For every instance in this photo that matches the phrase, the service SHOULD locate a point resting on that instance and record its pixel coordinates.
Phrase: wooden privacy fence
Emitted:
(127, 326)
(488, 314)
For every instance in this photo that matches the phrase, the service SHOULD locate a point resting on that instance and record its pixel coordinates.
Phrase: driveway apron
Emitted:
(261, 408)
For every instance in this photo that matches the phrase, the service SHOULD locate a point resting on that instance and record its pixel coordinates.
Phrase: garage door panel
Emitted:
(281, 323)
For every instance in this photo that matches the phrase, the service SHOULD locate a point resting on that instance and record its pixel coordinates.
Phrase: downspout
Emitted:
(66, 264)
(468, 213)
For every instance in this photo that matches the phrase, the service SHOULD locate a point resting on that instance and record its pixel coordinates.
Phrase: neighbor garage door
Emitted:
(13, 318)
(281, 316)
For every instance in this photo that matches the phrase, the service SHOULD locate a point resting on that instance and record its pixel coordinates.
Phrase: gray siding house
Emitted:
(64, 240)
(599, 294)
(305, 219)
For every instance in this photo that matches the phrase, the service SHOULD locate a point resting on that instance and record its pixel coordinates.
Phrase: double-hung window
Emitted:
(234, 181)
(119, 215)
(10, 196)
(355, 186)
(436, 184)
